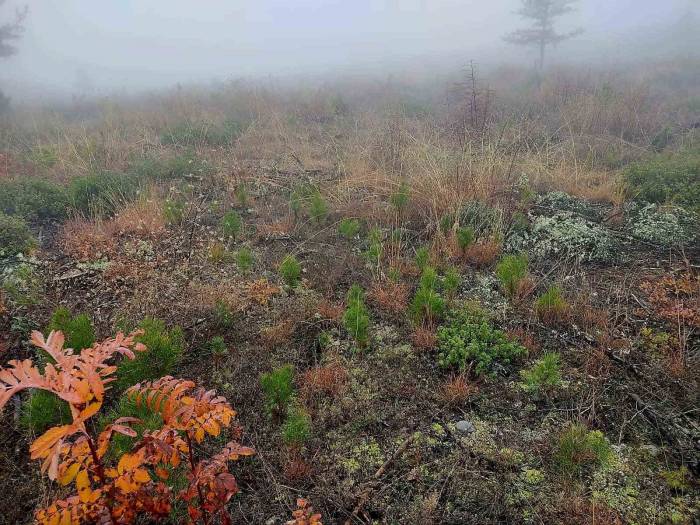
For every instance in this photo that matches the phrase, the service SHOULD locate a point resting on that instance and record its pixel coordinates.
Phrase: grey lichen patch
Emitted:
(362, 459)
(565, 234)
(627, 485)
(561, 201)
(663, 225)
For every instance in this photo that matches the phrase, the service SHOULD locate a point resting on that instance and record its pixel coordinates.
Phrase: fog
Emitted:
(93, 46)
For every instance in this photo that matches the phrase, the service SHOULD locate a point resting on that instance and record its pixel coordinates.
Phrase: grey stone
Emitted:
(465, 427)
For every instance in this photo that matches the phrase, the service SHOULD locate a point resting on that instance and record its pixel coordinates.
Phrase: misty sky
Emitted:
(147, 43)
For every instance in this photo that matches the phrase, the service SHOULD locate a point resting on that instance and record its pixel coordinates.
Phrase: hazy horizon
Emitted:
(75, 46)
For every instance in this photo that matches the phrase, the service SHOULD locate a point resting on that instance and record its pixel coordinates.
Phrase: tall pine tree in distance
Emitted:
(542, 14)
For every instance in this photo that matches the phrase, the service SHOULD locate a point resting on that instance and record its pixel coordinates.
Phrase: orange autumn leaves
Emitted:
(118, 489)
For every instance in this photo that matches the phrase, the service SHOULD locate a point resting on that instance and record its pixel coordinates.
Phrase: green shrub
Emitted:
(679, 480)
(222, 314)
(427, 305)
(318, 209)
(578, 448)
(400, 198)
(173, 211)
(356, 318)
(102, 193)
(543, 375)
(551, 305)
(446, 222)
(217, 347)
(278, 386)
(43, 410)
(468, 339)
(483, 219)
(241, 193)
(244, 259)
(451, 282)
(191, 134)
(290, 270)
(33, 199)
(375, 247)
(349, 228)
(15, 236)
(231, 224)
(45, 156)
(465, 237)
(297, 428)
(296, 202)
(125, 407)
(78, 330)
(511, 270)
(164, 351)
(149, 168)
(422, 257)
(662, 179)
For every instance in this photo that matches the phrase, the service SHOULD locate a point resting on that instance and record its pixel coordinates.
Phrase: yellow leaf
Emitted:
(82, 480)
(90, 410)
(128, 462)
(69, 474)
(141, 475)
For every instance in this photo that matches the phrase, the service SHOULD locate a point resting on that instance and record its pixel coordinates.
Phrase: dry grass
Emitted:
(424, 338)
(389, 296)
(457, 390)
(142, 218)
(483, 253)
(85, 239)
(277, 334)
(328, 380)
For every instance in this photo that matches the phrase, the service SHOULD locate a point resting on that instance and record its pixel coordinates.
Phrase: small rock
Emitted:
(465, 427)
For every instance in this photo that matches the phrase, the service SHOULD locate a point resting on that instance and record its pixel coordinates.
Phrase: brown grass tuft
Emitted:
(330, 311)
(424, 338)
(389, 296)
(84, 239)
(457, 390)
(261, 291)
(277, 334)
(483, 253)
(328, 380)
(143, 219)
(296, 468)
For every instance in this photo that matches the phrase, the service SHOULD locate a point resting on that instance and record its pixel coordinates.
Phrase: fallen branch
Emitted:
(371, 484)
